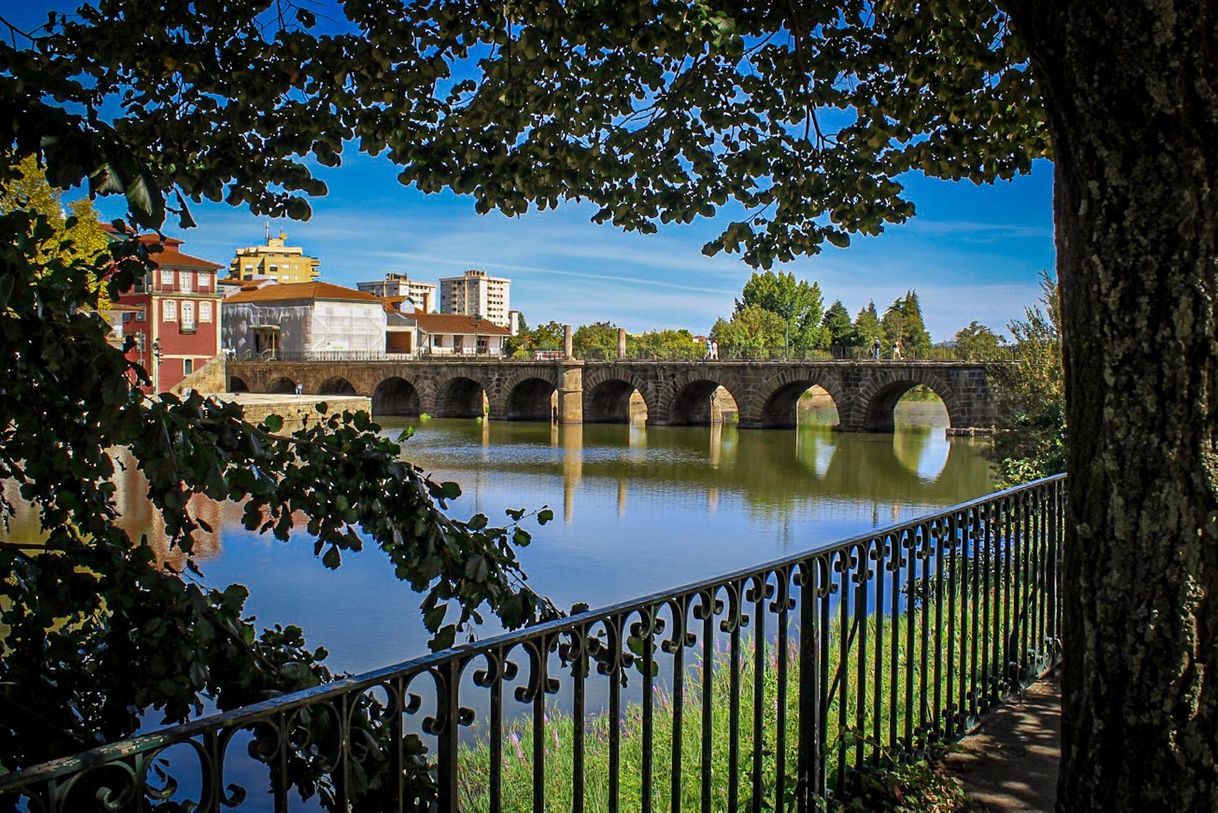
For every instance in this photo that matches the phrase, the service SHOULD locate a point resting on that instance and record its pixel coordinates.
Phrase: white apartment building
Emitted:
(400, 287)
(474, 293)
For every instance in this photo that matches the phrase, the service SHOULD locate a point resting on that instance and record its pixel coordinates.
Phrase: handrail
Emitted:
(945, 542)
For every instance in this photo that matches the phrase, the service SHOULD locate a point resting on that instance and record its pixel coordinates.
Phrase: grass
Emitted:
(841, 741)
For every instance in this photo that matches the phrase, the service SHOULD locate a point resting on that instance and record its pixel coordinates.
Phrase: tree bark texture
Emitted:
(1131, 90)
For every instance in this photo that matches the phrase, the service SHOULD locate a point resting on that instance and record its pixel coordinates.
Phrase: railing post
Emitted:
(810, 748)
(449, 713)
(1056, 529)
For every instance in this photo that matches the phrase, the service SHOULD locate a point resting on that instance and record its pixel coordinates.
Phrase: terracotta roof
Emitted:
(457, 323)
(393, 304)
(172, 257)
(295, 291)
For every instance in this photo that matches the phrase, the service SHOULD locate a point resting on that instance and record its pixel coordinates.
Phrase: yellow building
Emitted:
(275, 260)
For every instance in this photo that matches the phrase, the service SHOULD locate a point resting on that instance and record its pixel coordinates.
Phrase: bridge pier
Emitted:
(571, 393)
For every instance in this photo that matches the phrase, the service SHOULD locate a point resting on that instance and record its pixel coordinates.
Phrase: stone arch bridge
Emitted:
(675, 392)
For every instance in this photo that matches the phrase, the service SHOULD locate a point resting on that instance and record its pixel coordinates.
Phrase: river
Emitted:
(637, 509)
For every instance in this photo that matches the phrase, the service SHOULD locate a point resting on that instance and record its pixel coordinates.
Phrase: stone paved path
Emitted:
(1010, 763)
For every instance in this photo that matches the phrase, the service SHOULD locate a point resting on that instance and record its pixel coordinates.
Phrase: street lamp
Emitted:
(156, 367)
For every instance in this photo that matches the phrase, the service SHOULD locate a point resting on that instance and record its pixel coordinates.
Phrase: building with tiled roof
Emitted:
(173, 313)
(302, 320)
(301, 291)
(448, 334)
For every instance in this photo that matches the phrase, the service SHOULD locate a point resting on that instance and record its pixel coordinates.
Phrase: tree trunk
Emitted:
(1131, 91)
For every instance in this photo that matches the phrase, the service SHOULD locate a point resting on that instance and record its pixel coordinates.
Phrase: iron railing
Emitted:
(777, 685)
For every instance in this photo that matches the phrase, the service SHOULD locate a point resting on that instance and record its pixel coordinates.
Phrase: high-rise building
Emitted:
(276, 261)
(474, 293)
(399, 287)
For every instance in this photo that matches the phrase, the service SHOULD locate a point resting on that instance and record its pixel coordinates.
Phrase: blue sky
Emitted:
(972, 252)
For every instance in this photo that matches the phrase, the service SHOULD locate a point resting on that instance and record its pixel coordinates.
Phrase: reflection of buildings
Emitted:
(141, 520)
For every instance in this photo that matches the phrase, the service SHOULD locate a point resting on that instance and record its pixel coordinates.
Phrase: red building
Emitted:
(174, 316)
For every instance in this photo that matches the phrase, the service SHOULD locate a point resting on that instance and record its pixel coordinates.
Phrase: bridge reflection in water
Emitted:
(772, 473)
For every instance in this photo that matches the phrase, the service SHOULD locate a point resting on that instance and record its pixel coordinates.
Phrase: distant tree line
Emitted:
(776, 313)
(778, 316)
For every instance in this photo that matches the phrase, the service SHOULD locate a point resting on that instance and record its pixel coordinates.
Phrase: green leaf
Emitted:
(443, 639)
(435, 617)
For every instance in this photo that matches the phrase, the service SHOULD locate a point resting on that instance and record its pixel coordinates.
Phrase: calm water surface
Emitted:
(637, 509)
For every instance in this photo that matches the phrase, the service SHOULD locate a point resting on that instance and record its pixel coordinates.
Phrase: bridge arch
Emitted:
(607, 395)
(776, 402)
(878, 398)
(282, 386)
(687, 400)
(237, 384)
(396, 396)
(530, 399)
(337, 385)
(460, 397)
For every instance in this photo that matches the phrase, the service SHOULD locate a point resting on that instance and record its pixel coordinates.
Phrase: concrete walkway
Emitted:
(1010, 763)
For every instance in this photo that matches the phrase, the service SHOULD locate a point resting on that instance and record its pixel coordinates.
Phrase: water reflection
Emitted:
(772, 471)
(137, 517)
(641, 509)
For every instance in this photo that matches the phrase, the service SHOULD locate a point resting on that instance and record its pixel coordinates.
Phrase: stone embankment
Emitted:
(294, 409)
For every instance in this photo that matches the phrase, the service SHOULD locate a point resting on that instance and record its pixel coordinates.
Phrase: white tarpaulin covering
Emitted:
(317, 326)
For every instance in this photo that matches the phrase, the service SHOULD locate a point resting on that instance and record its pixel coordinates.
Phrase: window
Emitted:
(204, 281)
(169, 310)
(186, 281)
(167, 276)
(188, 317)
(139, 315)
(127, 316)
(204, 311)
(188, 365)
